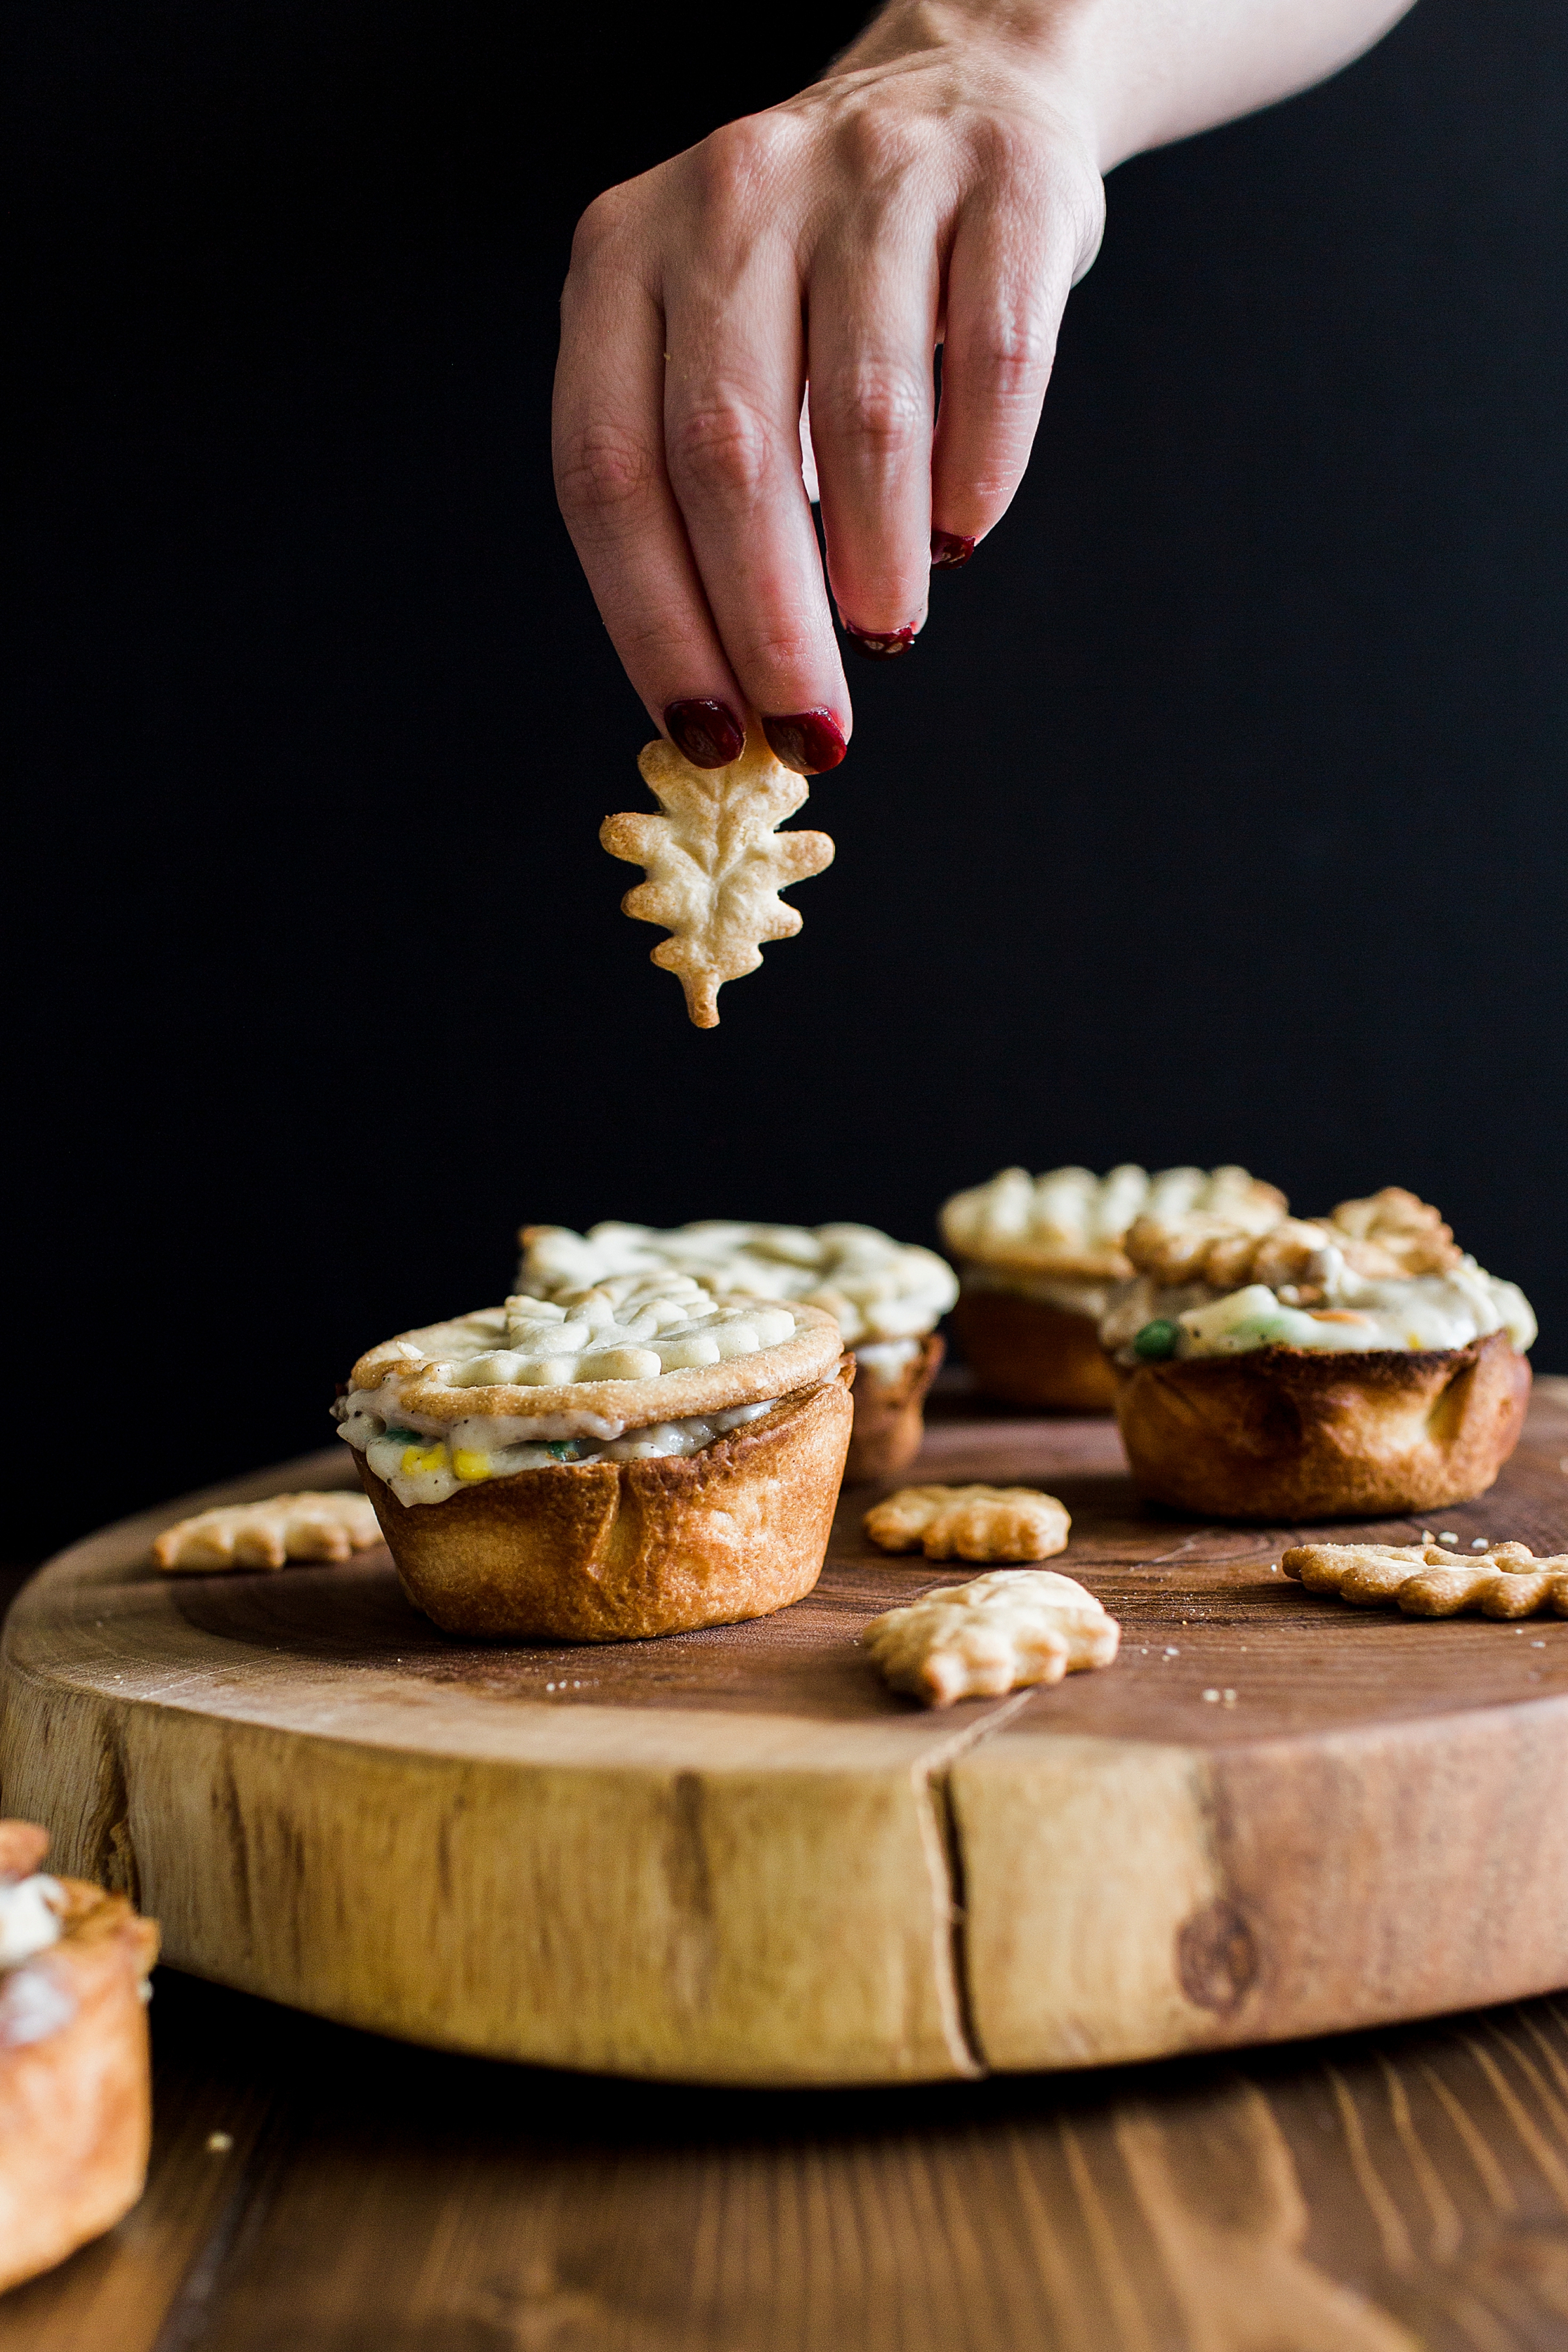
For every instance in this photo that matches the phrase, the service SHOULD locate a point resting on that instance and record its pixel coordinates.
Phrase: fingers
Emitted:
(876, 288)
(1013, 262)
(615, 496)
(733, 382)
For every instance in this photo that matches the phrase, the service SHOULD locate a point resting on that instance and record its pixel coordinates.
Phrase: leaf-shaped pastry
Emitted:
(715, 864)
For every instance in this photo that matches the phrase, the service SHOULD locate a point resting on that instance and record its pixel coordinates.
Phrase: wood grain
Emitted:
(734, 1856)
(1402, 2193)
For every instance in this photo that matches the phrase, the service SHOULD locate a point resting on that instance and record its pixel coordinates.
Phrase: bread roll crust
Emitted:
(1292, 1435)
(890, 1421)
(1026, 1351)
(76, 2107)
(619, 1551)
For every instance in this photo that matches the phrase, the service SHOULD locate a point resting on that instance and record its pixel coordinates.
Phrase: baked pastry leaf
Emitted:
(999, 1633)
(330, 1526)
(971, 1522)
(716, 864)
(1425, 1580)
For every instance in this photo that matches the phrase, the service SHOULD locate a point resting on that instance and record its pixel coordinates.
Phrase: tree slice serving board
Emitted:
(734, 1856)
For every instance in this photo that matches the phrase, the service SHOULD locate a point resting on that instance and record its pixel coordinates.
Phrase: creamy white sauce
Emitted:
(29, 1916)
(427, 1464)
(1422, 1311)
(886, 1358)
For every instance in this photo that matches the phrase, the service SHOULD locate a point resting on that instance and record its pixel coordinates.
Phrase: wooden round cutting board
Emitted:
(734, 1856)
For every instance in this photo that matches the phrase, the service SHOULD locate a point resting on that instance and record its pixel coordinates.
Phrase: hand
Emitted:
(937, 194)
(939, 185)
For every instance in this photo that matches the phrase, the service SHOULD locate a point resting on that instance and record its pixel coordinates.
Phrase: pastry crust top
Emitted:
(1070, 1222)
(659, 1350)
(874, 1288)
(1390, 1237)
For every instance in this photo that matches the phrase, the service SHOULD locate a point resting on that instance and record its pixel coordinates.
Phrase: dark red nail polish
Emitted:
(706, 733)
(948, 552)
(807, 740)
(878, 645)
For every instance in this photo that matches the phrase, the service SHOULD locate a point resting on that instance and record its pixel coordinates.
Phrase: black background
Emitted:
(1219, 814)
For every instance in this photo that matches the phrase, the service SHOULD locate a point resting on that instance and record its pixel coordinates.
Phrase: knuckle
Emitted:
(880, 148)
(741, 157)
(600, 226)
(600, 467)
(721, 448)
(879, 411)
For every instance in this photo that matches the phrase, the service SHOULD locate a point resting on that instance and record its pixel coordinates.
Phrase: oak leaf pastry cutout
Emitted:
(1425, 1581)
(999, 1632)
(970, 1523)
(267, 1535)
(715, 864)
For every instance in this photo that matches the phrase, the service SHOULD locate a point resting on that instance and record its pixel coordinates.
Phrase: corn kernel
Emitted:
(423, 1457)
(469, 1464)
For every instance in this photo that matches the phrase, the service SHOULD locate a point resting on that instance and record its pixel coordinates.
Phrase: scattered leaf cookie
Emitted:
(1425, 1581)
(265, 1535)
(971, 1522)
(715, 864)
(997, 1633)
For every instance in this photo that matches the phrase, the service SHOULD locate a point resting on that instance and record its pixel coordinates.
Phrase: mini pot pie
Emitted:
(886, 1297)
(631, 1458)
(75, 2079)
(1040, 1256)
(1359, 1363)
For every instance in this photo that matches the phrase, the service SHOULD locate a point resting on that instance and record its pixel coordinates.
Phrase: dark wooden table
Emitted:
(315, 2189)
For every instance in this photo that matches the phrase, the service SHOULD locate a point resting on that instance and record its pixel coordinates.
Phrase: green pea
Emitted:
(405, 1436)
(563, 1450)
(1156, 1340)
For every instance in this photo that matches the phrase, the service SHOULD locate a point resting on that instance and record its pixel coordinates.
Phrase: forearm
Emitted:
(1142, 71)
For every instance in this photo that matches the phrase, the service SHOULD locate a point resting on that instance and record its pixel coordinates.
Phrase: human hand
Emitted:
(944, 193)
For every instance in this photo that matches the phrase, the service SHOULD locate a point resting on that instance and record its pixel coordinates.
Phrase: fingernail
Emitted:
(878, 645)
(807, 740)
(706, 733)
(948, 552)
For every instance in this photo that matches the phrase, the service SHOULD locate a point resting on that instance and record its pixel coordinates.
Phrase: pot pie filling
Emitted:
(597, 1356)
(1381, 1273)
(884, 1296)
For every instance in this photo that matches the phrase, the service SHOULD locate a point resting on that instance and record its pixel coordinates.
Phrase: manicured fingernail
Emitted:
(706, 733)
(878, 645)
(948, 552)
(807, 740)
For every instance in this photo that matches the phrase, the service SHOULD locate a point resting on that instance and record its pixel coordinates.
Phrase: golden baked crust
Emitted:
(1072, 1224)
(1425, 1579)
(999, 1632)
(414, 1361)
(1026, 1351)
(714, 864)
(617, 1551)
(1287, 1434)
(1391, 1236)
(889, 1421)
(314, 1527)
(971, 1522)
(75, 2103)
